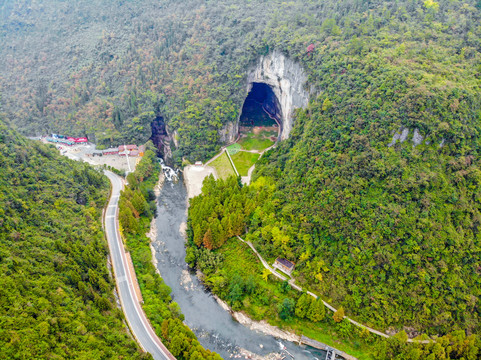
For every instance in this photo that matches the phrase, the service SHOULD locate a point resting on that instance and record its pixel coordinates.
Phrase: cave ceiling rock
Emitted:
(286, 78)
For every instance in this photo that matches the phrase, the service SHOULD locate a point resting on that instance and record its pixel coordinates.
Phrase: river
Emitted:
(213, 326)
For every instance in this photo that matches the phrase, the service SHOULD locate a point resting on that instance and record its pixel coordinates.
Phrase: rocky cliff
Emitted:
(287, 79)
(228, 133)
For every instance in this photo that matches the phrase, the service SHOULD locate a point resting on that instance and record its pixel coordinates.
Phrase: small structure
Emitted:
(141, 150)
(198, 163)
(110, 151)
(331, 353)
(80, 140)
(127, 148)
(284, 265)
(58, 140)
(134, 153)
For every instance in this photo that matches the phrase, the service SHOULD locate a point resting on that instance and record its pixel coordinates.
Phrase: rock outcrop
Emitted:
(229, 132)
(287, 79)
(402, 136)
(417, 138)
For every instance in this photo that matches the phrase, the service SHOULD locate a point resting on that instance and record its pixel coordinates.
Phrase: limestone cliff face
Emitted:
(287, 79)
(229, 132)
(402, 135)
(417, 138)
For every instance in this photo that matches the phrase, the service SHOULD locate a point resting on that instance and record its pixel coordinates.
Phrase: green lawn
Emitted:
(223, 166)
(255, 142)
(243, 161)
(233, 149)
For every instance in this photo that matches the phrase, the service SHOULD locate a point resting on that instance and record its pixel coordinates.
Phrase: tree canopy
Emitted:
(56, 292)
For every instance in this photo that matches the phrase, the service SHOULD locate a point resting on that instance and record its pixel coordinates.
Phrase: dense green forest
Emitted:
(137, 208)
(389, 233)
(106, 69)
(56, 292)
(233, 272)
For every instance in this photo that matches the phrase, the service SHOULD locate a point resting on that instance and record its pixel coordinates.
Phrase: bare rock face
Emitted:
(404, 135)
(229, 132)
(401, 136)
(287, 79)
(417, 138)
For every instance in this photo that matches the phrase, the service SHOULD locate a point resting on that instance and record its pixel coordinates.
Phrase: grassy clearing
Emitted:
(223, 166)
(243, 161)
(255, 142)
(240, 259)
(233, 149)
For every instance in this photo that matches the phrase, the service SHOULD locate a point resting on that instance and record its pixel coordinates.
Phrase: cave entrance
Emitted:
(259, 123)
(160, 138)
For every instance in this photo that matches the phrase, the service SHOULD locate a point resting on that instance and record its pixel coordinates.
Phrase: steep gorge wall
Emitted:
(287, 79)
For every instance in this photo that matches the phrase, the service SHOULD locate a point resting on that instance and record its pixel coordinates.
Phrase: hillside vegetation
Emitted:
(389, 233)
(106, 69)
(56, 293)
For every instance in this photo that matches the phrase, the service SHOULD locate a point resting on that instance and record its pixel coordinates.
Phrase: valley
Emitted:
(338, 141)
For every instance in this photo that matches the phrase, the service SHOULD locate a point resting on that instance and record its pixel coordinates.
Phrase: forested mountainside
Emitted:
(389, 232)
(56, 294)
(108, 68)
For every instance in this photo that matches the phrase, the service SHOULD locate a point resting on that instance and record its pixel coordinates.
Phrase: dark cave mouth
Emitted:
(160, 138)
(261, 108)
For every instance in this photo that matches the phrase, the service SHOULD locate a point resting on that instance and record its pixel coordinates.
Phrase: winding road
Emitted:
(138, 323)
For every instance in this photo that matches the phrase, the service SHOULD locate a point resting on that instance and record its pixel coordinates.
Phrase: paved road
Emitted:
(134, 314)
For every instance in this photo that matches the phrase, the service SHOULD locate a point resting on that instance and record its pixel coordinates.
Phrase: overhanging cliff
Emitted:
(286, 79)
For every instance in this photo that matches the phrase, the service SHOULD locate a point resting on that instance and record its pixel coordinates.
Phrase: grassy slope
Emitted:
(223, 166)
(255, 142)
(243, 161)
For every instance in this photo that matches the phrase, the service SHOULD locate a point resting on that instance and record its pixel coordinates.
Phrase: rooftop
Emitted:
(286, 263)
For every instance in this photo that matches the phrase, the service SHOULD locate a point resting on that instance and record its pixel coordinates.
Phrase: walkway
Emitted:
(329, 306)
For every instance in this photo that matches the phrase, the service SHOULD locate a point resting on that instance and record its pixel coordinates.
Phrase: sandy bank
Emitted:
(260, 326)
(194, 177)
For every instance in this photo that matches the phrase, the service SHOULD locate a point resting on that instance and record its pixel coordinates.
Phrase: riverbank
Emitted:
(301, 335)
(136, 215)
(261, 326)
(194, 176)
(213, 325)
(242, 318)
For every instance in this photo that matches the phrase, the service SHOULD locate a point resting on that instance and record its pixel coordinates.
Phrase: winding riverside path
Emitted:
(329, 306)
(125, 279)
